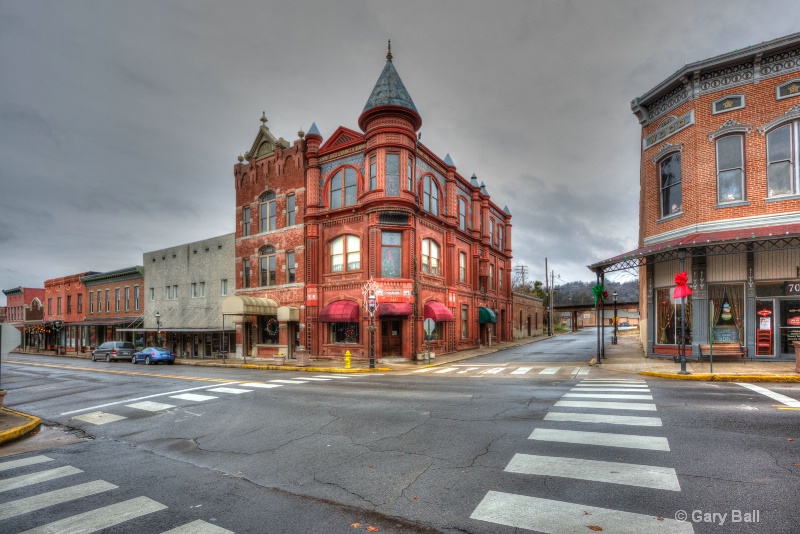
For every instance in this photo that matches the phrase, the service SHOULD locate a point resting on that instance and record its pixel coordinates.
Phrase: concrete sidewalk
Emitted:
(627, 356)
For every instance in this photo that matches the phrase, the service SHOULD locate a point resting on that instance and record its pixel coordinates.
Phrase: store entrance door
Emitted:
(391, 338)
(765, 327)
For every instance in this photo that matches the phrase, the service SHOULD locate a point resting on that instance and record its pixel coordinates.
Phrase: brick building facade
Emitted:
(720, 199)
(25, 311)
(321, 223)
(64, 313)
(114, 301)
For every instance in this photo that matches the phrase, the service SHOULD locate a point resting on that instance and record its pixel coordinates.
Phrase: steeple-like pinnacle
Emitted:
(389, 55)
(389, 92)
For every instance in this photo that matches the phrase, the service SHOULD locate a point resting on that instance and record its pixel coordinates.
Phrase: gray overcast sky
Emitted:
(120, 121)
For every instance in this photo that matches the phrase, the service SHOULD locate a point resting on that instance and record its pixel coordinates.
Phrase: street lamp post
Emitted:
(614, 339)
(158, 327)
(371, 308)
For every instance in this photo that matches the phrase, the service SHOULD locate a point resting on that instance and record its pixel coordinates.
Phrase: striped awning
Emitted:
(241, 305)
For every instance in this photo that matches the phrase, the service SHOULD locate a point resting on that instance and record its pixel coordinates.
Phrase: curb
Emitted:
(20, 431)
(315, 369)
(708, 377)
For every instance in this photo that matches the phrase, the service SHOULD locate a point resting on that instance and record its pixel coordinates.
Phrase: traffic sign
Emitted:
(429, 326)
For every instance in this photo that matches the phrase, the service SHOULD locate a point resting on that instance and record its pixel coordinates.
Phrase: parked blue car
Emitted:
(153, 355)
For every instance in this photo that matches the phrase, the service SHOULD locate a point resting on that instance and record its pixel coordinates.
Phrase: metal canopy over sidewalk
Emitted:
(712, 243)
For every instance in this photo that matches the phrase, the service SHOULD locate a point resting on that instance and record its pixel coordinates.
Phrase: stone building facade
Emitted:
(375, 214)
(184, 287)
(720, 199)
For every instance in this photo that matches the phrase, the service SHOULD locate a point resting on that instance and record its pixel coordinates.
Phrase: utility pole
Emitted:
(552, 301)
(522, 270)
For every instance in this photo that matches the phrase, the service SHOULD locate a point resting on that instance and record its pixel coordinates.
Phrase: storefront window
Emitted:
(344, 333)
(668, 314)
(728, 319)
(268, 326)
(790, 324)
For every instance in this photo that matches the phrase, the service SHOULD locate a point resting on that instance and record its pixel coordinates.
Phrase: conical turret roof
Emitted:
(389, 93)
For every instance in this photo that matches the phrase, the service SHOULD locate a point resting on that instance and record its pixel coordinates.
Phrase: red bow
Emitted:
(681, 289)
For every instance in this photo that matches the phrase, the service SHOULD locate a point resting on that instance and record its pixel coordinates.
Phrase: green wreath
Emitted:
(272, 326)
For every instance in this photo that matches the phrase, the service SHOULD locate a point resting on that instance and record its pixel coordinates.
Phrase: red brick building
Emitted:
(720, 199)
(320, 219)
(64, 312)
(25, 310)
(113, 300)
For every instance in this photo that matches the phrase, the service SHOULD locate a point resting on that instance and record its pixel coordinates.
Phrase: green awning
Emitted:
(486, 315)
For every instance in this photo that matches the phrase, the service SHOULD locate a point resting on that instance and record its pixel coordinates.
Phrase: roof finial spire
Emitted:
(389, 55)
(263, 118)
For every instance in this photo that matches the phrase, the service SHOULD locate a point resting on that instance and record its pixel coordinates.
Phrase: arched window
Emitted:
(782, 168)
(430, 256)
(267, 266)
(671, 184)
(267, 212)
(430, 195)
(343, 188)
(345, 253)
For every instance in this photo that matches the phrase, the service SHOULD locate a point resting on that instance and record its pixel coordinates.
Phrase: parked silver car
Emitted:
(113, 350)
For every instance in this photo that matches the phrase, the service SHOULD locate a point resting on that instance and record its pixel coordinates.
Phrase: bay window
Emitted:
(430, 256)
(391, 254)
(346, 247)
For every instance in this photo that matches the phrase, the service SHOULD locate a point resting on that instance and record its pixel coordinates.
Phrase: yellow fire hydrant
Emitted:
(347, 359)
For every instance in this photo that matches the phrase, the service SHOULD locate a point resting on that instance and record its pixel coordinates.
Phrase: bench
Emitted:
(724, 350)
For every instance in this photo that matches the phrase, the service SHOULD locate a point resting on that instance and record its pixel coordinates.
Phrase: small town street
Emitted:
(529, 437)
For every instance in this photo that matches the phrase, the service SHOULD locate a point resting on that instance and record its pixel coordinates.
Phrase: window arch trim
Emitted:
(349, 190)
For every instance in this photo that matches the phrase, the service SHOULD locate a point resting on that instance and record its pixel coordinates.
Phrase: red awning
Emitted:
(339, 311)
(438, 312)
(388, 309)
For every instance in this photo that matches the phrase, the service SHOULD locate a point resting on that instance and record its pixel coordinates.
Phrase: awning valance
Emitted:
(486, 315)
(438, 312)
(339, 311)
(241, 305)
(394, 309)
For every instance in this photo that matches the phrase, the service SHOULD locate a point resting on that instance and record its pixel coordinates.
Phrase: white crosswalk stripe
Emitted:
(606, 405)
(33, 460)
(198, 527)
(602, 418)
(288, 381)
(98, 519)
(22, 481)
(445, 370)
(628, 441)
(101, 518)
(607, 396)
(553, 516)
(261, 385)
(550, 371)
(234, 391)
(151, 406)
(193, 397)
(468, 370)
(52, 498)
(546, 515)
(505, 370)
(521, 370)
(644, 476)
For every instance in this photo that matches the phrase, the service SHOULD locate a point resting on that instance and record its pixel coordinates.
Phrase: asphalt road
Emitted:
(473, 449)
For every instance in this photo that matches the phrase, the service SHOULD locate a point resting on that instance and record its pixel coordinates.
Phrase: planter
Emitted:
(796, 356)
(279, 360)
